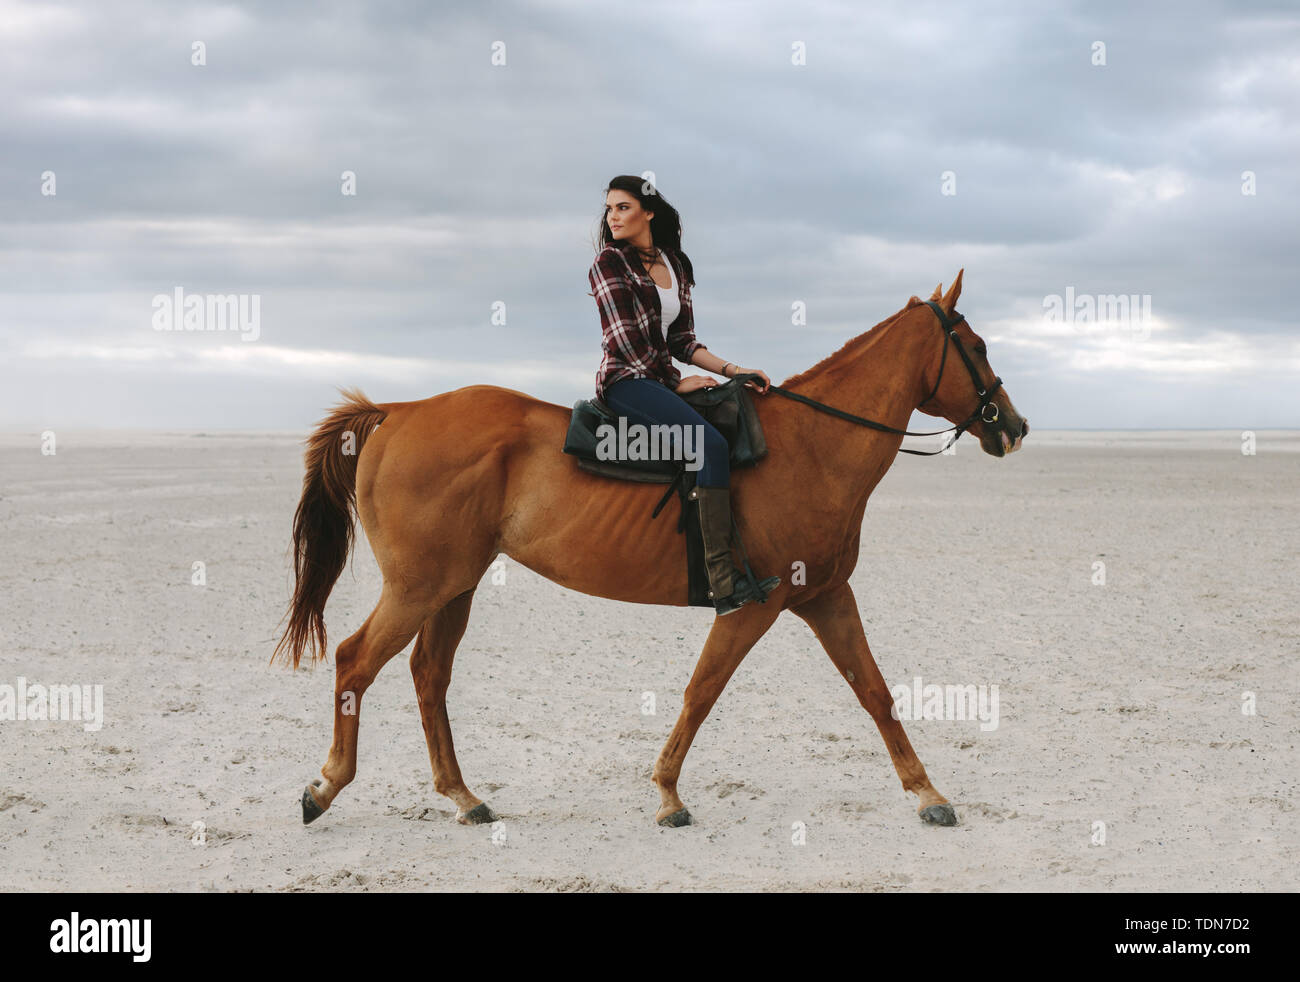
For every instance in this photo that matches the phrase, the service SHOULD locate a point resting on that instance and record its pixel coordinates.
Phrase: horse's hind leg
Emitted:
(431, 669)
(387, 630)
(834, 618)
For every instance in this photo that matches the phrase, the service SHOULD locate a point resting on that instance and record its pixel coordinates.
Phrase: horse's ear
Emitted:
(938, 293)
(950, 298)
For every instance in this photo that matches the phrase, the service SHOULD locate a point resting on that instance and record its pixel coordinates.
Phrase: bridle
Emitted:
(948, 325)
(949, 328)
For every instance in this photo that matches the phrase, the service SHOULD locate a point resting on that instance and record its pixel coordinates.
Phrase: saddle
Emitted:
(730, 409)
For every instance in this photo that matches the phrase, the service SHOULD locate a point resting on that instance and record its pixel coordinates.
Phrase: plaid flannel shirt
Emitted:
(630, 314)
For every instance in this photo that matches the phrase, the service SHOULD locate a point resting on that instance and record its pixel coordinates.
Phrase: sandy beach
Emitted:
(1121, 759)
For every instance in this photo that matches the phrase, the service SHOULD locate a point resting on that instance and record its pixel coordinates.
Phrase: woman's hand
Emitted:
(751, 383)
(693, 382)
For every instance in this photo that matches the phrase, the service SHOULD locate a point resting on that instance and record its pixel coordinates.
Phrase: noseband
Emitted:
(948, 325)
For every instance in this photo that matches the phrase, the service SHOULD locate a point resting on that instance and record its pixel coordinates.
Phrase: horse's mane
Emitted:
(852, 345)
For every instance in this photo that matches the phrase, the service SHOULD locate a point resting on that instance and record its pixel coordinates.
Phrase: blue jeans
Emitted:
(649, 401)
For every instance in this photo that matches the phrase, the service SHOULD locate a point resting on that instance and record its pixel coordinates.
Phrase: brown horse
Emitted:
(448, 483)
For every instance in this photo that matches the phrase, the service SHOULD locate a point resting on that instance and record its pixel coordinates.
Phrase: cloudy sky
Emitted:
(479, 186)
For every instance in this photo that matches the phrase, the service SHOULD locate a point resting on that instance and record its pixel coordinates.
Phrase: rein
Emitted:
(949, 328)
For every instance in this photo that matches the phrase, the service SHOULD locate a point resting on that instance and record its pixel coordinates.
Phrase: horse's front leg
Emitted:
(833, 616)
(729, 641)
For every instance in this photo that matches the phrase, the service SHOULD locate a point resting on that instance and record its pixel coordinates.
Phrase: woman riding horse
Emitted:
(642, 280)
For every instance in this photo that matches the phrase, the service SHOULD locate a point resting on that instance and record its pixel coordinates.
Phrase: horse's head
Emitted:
(960, 385)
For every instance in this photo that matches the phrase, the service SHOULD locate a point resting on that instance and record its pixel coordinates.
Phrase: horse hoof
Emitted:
(310, 810)
(939, 814)
(480, 814)
(676, 820)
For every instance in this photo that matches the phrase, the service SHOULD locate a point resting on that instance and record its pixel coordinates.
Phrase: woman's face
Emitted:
(625, 216)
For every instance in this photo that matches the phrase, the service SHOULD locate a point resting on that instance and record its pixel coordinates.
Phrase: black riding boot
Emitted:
(729, 587)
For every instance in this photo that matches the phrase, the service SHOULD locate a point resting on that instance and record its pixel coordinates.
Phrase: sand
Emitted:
(1119, 704)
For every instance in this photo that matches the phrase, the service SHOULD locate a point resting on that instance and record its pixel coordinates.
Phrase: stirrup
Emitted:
(744, 589)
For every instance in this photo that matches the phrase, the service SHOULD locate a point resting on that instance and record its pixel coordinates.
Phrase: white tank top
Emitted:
(669, 303)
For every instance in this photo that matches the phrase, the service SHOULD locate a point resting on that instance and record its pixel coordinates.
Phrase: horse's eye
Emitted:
(981, 351)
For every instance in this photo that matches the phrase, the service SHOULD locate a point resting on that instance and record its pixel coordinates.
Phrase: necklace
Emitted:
(649, 258)
(660, 257)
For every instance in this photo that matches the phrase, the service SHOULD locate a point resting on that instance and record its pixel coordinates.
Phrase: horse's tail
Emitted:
(323, 524)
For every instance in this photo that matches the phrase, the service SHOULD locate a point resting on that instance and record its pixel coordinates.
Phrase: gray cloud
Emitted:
(480, 184)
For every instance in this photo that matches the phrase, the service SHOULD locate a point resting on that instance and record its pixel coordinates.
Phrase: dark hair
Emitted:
(665, 227)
